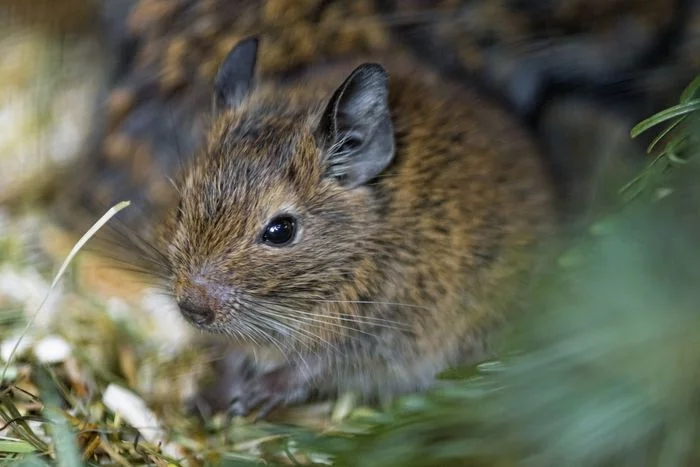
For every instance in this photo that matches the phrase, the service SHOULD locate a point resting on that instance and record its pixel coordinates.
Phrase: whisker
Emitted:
(273, 319)
(121, 237)
(178, 149)
(376, 321)
(370, 302)
(121, 264)
(269, 338)
(270, 313)
(278, 344)
(289, 316)
(172, 182)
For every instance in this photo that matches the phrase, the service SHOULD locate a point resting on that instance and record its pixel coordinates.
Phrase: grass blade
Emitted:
(668, 114)
(15, 446)
(657, 139)
(78, 246)
(9, 413)
(690, 92)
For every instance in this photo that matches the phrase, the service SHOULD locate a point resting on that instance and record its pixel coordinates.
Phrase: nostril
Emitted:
(194, 305)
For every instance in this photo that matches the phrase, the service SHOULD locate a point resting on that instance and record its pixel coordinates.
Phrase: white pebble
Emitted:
(52, 349)
(133, 409)
(8, 345)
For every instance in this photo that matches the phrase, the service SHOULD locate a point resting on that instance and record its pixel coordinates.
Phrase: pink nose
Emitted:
(196, 302)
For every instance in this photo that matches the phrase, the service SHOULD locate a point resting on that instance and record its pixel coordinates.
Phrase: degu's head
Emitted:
(277, 219)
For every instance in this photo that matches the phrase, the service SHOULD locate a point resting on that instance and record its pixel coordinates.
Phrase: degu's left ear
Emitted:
(234, 79)
(356, 128)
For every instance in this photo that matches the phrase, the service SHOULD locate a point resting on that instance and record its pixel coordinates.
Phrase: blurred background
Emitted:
(579, 73)
(101, 100)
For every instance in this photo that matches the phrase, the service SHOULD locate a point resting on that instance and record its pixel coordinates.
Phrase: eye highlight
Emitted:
(280, 231)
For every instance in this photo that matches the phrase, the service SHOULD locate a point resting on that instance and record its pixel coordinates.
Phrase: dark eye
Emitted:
(280, 231)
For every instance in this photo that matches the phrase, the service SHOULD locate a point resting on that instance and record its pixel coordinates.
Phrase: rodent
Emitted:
(366, 220)
(168, 52)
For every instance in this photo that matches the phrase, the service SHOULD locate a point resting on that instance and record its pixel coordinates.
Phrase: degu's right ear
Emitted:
(356, 127)
(234, 79)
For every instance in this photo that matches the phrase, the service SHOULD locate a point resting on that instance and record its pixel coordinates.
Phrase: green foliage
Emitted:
(18, 446)
(64, 441)
(680, 141)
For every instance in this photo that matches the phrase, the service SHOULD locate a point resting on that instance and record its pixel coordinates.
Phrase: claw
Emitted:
(268, 407)
(243, 391)
(198, 407)
(257, 399)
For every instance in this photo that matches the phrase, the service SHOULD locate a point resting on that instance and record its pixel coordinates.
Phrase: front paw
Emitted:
(269, 391)
(228, 375)
(240, 387)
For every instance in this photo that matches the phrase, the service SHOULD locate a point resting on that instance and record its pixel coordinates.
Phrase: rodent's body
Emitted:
(393, 280)
(432, 245)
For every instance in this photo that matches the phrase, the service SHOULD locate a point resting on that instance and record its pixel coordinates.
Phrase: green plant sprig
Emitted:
(675, 133)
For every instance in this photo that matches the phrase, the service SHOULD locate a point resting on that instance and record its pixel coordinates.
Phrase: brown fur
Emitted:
(166, 54)
(401, 276)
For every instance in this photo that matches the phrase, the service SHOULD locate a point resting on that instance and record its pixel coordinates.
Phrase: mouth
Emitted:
(198, 317)
(201, 322)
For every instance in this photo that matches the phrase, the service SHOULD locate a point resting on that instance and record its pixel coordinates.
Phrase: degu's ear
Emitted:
(356, 128)
(234, 79)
